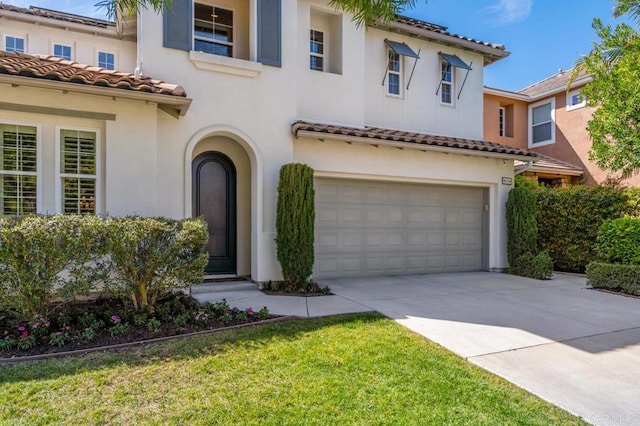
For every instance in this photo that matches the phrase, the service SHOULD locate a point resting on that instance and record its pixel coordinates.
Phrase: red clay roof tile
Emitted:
(52, 68)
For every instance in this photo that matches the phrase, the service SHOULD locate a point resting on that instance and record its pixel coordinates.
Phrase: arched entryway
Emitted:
(214, 199)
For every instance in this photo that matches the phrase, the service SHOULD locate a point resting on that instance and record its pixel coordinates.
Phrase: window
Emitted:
(575, 100)
(316, 50)
(541, 119)
(213, 30)
(107, 60)
(502, 121)
(62, 51)
(77, 171)
(446, 94)
(395, 69)
(19, 169)
(14, 44)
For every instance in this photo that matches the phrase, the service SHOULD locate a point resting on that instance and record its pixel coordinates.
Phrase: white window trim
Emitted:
(58, 179)
(502, 121)
(530, 144)
(233, 29)
(38, 173)
(399, 73)
(108, 51)
(71, 45)
(16, 35)
(452, 104)
(324, 55)
(578, 105)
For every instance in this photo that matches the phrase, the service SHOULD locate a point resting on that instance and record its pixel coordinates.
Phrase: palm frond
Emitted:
(113, 8)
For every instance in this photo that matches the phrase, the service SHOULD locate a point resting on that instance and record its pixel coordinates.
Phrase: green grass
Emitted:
(357, 369)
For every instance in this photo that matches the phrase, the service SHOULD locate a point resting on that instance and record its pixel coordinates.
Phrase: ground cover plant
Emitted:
(356, 369)
(109, 321)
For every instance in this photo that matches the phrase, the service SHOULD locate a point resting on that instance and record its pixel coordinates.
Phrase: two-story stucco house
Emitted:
(389, 116)
(551, 121)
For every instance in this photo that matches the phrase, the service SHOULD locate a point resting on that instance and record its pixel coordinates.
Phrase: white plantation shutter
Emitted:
(18, 169)
(78, 171)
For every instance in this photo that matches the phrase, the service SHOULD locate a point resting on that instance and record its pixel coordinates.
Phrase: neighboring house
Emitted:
(390, 117)
(552, 122)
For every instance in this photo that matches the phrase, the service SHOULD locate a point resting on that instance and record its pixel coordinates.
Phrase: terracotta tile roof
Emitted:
(52, 68)
(60, 16)
(442, 30)
(551, 165)
(395, 136)
(556, 82)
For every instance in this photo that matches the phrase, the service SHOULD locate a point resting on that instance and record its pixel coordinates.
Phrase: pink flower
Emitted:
(249, 311)
(116, 319)
(36, 324)
(21, 328)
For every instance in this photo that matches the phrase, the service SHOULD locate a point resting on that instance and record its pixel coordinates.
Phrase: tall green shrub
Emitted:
(569, 220)
(150, 256)
(619, 241)
(42, 257)
(522, 228)
(295, 224)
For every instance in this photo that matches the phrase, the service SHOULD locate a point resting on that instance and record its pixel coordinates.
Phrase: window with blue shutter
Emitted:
(270, 32)
(178, 21)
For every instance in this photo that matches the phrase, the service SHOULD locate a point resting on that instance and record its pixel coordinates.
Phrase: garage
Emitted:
(391, 228)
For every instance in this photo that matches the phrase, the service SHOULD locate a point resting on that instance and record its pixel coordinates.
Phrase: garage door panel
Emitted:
(375, 228)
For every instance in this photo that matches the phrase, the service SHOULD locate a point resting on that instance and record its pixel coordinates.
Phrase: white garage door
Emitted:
(379, 228)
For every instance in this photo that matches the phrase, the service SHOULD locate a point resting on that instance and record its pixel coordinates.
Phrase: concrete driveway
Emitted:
(575, 347)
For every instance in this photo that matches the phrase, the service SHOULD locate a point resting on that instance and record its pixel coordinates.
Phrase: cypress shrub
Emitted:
(522, 228)
(295, 224)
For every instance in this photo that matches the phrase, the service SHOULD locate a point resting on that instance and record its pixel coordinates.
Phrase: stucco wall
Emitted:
(492, 104)
(85, 46)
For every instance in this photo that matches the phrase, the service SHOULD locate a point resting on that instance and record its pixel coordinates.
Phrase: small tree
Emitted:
(295, 224)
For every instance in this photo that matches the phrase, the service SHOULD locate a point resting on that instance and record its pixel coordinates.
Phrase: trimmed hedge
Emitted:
(569, 220)
(619, 241)
(625, 278)
(62, 256)
(295, 218)
(522, 229)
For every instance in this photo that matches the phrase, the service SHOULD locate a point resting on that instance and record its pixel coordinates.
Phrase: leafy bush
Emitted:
(569, 220)
(148, 257)
(619, 241)
(522, 229)
(539, 267)
(624, 278)
(42, 257)
(295, 224)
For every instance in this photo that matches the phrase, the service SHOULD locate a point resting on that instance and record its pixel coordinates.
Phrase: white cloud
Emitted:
(510, 11)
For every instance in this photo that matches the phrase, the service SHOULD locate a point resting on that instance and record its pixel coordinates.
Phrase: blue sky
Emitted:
(542, 35)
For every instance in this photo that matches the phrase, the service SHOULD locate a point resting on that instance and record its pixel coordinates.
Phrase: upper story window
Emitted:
(18, 169)
(316, 50)
(575, 100)
(77, 171)
(213, 30)
(394, 83)
(107, 60)
(446, 88)
(502, 121)
(62, 51)
(14, 44)
(541, 123)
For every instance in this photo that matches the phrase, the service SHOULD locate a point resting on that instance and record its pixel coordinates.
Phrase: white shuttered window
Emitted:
(18, 169)
(78, 170)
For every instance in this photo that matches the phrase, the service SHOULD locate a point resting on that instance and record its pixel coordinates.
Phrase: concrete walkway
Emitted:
(575, 347)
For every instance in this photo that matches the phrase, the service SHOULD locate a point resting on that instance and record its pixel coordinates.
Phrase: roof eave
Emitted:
(408, 145)
(491, 54)
(506, 94)
(167, 103)
(576, 83)
(550, 170)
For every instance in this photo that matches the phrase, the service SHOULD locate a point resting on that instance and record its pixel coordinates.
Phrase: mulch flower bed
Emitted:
(108, 321)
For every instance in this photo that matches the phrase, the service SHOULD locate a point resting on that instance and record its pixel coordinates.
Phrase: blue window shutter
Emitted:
(177, 24)
(270, 32)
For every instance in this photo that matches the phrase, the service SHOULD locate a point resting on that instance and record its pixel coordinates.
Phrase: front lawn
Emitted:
(357, 369)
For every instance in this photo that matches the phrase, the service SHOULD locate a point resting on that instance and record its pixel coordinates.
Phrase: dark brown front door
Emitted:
(214, 198)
